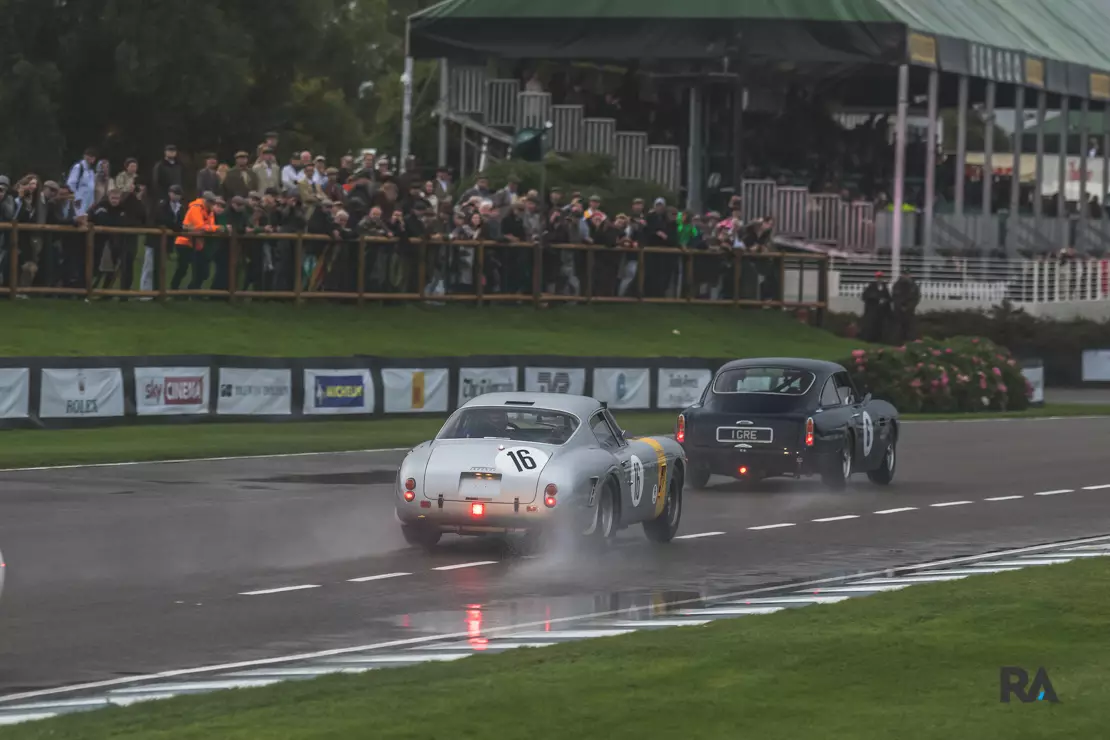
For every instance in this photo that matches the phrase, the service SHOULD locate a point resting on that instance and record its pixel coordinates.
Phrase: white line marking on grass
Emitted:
(1003, 498)
(475, 564)
(896, 511)
(699, 534)
(838, 518)
(1096, 488)
(1055, 493)
(282, 589)
(132, 463)
(379, 577)
(942, 504)
(773, 526)
(424, 639)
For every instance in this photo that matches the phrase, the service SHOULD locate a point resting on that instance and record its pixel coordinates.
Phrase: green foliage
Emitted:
(963, 374)
(129, 76)
(590, 174)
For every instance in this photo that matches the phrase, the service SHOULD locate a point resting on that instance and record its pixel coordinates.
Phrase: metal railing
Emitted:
(98, 262)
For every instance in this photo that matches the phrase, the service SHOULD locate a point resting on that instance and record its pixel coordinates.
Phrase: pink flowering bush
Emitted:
(932, 376)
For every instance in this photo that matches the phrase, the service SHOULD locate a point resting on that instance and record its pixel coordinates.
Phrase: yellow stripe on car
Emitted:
(661, 458)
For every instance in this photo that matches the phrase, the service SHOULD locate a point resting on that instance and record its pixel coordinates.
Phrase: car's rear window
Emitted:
(518, 425)
(786, 381)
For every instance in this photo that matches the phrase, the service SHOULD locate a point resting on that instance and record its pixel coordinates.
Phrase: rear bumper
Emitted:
(499, 518)
(777, 461)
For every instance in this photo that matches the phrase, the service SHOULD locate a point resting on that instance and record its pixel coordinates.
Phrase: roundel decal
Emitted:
(636, 480)
(868, 434)
(522, 461)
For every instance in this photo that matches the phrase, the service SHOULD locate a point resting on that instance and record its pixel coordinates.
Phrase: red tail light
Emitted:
(809, 432)
(409, 495)
(410, 484)
(743, 470)
(477, 509)
(680, 434)
(549, 495)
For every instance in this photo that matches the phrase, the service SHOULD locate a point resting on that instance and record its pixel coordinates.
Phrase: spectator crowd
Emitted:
(271, 204)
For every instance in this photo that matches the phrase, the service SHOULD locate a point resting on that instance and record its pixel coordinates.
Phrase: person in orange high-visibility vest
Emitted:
(199, 218)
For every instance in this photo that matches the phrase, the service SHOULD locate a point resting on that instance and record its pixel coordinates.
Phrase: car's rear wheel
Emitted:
(838, 467)
(664, 527)
(885, 474)
(418, 536)
(699, 476)
(607, 518)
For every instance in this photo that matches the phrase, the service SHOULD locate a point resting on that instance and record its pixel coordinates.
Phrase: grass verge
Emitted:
(919, 663)
(58, 327)
(32, 447)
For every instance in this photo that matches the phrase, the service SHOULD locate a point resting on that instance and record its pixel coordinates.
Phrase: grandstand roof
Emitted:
(1062, 45)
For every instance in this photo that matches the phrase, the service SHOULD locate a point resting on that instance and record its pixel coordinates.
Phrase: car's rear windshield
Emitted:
(518, 425)
(785, 381)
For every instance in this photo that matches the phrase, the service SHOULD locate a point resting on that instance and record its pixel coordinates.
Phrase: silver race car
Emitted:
(531, 463)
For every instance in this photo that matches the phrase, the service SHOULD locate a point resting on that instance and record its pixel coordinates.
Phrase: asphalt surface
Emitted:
(114, 571)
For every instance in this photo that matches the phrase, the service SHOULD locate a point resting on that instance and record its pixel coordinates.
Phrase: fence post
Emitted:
(232, 267)
(13, 260)
(590, 261)
(422, 268)
(161, 272)
(537, 273)
(641, 268)
(298, 268)
(480, 278)
(735, 276)
(90, 241)
(689, 276)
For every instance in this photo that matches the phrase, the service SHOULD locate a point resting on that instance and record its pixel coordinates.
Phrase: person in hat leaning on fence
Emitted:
(904, 298)
(876, 310)
(200, 218)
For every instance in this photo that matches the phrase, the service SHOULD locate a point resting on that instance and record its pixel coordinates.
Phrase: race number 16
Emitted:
(522, 460)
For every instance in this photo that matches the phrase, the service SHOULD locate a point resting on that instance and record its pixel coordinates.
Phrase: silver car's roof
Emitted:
(580, 406)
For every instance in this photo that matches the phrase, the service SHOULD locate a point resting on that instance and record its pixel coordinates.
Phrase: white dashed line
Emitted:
(1003, 498)
(838, 518)
(950, 503)
(773, 526)
(696, 536)
(278, 590)
(1054, 493)
(380, 577)
(475, 564)
(897, 511)
(1096, 488)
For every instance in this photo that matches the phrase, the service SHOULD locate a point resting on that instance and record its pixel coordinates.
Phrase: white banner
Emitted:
(171, 391)
(679, 388)
(15, 392)
(477, 381)
(255, 391)
(623, 387)
(338, 392)
(408, 390)
(555, 380)
(1096, 365)
(1035, 376)
(76, 394)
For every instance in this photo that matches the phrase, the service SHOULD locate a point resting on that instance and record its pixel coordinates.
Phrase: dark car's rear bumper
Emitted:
(779, 461)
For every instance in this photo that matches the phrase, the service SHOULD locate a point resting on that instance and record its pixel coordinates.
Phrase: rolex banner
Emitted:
(85, 393)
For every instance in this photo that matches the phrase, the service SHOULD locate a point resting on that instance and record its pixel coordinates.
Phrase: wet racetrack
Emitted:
(141, 568)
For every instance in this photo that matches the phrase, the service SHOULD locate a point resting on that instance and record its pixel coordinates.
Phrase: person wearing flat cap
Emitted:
(241, 179)
(876, 310)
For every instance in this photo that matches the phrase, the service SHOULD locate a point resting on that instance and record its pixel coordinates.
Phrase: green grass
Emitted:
(919, 663)
(32, 447)
(62, 327)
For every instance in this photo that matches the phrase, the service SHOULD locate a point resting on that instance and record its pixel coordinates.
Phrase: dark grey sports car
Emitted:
(768, 417)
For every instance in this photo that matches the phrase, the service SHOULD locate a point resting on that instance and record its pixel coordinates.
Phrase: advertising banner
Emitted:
(555, 380)
(81, 393)
(680, 387)
(1096, 365)
(348, 391)
(1035, 376)
(414, 390)
(15, 392)
(623, 387)
(476, 381)
(171, 391)
(255, 391)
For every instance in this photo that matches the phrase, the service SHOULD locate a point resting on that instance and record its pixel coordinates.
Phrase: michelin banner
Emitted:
(255, 392)
(15, 393)
(171, 391)
(680, 387)
(81, 393)
(623, 387)
(555, 380)
(477, 381)
(414, 390)
(330, 392)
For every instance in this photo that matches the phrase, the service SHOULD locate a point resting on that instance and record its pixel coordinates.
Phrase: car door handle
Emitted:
(624, 463)
(856, 416)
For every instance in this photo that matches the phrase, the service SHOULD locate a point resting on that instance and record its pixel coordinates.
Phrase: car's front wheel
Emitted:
(885, 474)
(417, 536)
(664, 527)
